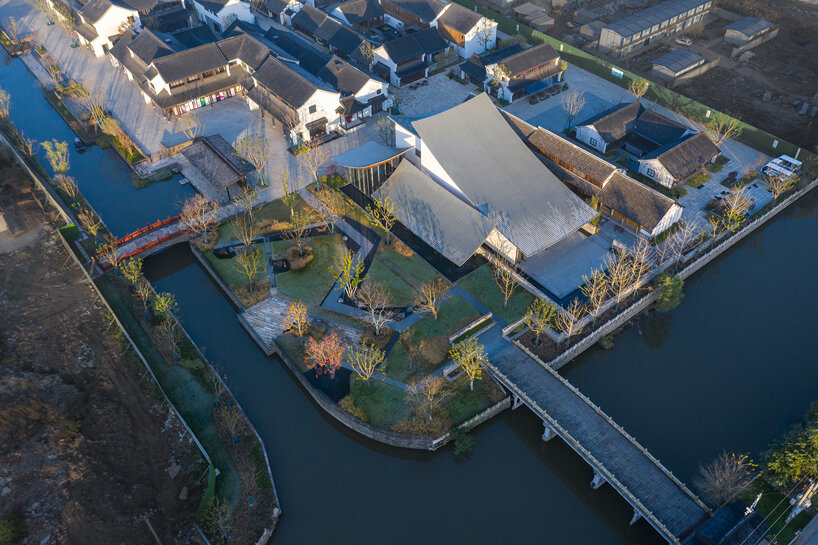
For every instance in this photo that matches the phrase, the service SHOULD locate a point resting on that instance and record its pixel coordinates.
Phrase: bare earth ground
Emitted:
(84, 447)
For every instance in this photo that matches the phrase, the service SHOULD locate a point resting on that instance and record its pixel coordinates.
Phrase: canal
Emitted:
(729, 369)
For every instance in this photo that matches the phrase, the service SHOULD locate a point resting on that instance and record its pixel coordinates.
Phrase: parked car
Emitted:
(683, 40)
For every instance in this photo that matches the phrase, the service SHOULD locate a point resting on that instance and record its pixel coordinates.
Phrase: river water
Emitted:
(731, 368)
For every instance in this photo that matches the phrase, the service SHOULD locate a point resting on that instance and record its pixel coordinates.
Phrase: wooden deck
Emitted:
(653, 492)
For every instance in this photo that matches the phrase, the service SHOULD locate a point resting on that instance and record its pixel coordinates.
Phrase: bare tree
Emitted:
(191, 126)
(429, 394)
(540, 317)
(5, 102)
(470, 356)
(595, 289)
(347, 270)
(216, 384)
(132, 270)
(299, 230)
(13, 30)
(290, 190)
(411, 344)
(778, 185)
(724, 478)
(736, 204)
(94, 102)
(169, 336)
(376, 298)
(244, 229)
(572, 104)
(331, 205)
(57, 154)
(681, 238)
(249, 263)
(28, 145)
(429, 296)
(45, 7)
(641, 257)
(382, 211)
(67, 22)
(486, 33)
(198, 214)
(505, 279)
(297, 318)
(569, 319)
(255, 149)
(386, 130)
(144, 291)
(715, 224)
(89, 222)
(109, 252)
(367, 52)
(52, 68)
(620, 275)
(638, 87)
(68, 186)
(364, 360)
(247, 199)
(312, 158)
(722, 126)
(218, 520)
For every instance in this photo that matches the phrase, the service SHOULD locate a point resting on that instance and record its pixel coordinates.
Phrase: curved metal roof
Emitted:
(368, 155)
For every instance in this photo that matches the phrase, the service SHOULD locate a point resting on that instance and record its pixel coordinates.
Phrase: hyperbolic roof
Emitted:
(445, 222)
(497, 173)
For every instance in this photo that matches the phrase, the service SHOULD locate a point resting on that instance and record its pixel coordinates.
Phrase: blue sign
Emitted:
(616, 72)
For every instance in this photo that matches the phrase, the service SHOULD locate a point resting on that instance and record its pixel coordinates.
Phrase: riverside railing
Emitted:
(591, 460)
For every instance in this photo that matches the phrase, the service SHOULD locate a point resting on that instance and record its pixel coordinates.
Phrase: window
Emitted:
(312, 109)
(220, 69)
(417, 152)
(594, 143)
(176, 83)
(192, 78)
(651, 173)
(207, 74)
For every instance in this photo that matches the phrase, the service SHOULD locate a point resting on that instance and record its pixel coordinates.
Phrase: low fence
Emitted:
(752, 136)
(471, 326)
(150, 227)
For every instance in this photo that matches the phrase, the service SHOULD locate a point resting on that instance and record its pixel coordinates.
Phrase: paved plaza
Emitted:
(439, 94)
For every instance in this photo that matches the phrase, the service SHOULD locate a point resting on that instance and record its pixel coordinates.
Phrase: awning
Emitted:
(317, 124)
(537, 87)
(368, 155)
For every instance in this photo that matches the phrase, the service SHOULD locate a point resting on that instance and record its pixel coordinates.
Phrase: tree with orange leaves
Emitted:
(325, 355)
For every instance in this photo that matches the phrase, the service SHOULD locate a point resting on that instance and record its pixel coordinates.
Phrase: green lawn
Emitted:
(774, 508)
(401, 274)
(272, 211)
(481, 284)
(414, 268)
(455, 313)
(401, 292)
(294, 348)
(698, 179)
(226, 268)
(384, 403)
(312, 283)
(465, 403)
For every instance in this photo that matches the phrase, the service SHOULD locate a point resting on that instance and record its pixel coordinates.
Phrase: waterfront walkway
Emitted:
(655, 494)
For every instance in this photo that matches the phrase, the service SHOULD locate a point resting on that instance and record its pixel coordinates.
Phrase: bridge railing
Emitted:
(150, 227)
(591, 459)
(619, 428)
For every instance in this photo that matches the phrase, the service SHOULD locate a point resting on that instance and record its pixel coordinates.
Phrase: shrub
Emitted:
(463, 442)
(12, 529)
(606, 342)
(69, 426)
(298, 262)
(348, 404)
(670, 291)
(435, 350)
(699, 179)
(400, 248)
(368, 337)
(419, 423)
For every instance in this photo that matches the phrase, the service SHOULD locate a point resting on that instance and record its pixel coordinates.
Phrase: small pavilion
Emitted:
(369, 165)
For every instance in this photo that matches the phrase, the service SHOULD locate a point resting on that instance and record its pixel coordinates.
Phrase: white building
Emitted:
(218, 14)
(99, 20)
(468, 31)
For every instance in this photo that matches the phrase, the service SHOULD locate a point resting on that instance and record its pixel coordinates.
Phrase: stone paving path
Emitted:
(39, 71)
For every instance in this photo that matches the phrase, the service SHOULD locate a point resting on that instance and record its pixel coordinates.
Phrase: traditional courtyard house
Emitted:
(474, 68)
(471, 152)
(407, 59)
(307, 107)
(281, 11)
(218, 14)
(746, 30)
(658, 147)
(136, 52)
(101, 20)
(524, 73)
(676, 63)
(654, 23)
(630, 203)
(412, 13)
(468, 31)
(361, 14)
(222, 170)
(339, 38)
(167, 16)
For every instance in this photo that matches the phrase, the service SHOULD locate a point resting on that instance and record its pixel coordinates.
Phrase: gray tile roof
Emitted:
(658, 128)
(196, 36)
(329, 29)
(211, 164)
(679, 60)
(94, 10)
(361, 11)
(343, 77)
(427, 41)
(635, 200)
(426, 10)
(497, 172)
(148, 47)
(245, 48)
(284, 83)
(475, 65)
(459, 18)
(228, 154)
(615, 125)
(190, 62)
(530, 58)
(749, 26)
(654, 15)
(87, 31)
(213, 6)
(683, 158)
(445, 222)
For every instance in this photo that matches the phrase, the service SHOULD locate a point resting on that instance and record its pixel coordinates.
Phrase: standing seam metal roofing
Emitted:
(496, 171)
(679, 60)
(653, 15)
(749, 26)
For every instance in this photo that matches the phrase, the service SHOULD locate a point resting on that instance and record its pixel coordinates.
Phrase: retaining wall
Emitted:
(221, 283)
